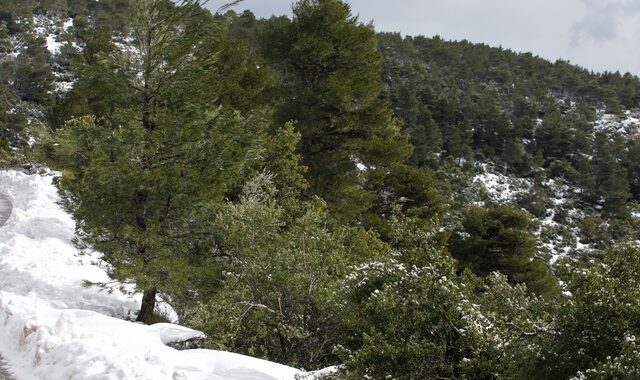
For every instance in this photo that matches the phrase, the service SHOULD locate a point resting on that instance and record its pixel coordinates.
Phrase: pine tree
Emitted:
(459, 144)
(33, 79)
(500, 239)
(554, 137)
(142, 179)
(492, 126)
(611, 176)
(426, 139)
(331, 70)
(633, 165)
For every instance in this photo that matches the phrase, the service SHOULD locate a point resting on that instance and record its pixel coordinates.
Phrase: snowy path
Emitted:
(5, 210)
(53, 327)
(4, 375)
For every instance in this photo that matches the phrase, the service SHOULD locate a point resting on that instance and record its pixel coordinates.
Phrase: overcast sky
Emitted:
(596, 34)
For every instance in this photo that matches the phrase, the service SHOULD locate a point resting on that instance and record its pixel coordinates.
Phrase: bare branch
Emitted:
(228, 6)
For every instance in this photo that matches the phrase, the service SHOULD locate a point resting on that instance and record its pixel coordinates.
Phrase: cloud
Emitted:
(262, 8)
(597, 34)
(595, 27)
(602, 20)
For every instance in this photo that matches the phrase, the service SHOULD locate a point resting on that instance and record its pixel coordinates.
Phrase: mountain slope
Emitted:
(554, 139)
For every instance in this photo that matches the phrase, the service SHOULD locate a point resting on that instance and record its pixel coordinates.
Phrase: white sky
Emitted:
(596, 34)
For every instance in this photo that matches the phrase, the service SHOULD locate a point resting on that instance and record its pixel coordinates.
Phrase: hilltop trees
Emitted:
(331, 84)
(610, 175)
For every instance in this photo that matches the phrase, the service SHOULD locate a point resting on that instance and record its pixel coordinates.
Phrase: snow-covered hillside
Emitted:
(52, 327)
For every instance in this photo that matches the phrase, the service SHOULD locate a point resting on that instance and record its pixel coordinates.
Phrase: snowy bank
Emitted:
(52, 327)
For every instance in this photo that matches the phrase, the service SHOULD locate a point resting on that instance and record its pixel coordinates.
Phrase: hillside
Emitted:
(551, 138)
(310, 192)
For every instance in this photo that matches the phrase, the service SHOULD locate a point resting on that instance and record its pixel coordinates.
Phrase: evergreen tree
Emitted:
(331, 89)
(633, 165)
(500, 239)
(554, 137)
(142, 179)
(459, 144)
(32, 76)
(492, 126)
(611, 176)
(427, 141)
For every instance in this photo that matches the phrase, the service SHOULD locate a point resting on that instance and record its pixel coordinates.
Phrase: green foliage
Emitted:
(32, 76)
(412, 317)
(596, 325)
(284, 164)
(330, 69)
(611, 177)
(500, 239)
(554, 137)
(411, 322)
(102, 85)
(536, 201)
(282, 277)
(13, 120)
(5, 151)
(142, 178)
(407, 312)
(633, 164)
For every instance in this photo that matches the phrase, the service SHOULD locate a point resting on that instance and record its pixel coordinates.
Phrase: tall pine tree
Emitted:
(331, 88)
(142, 179)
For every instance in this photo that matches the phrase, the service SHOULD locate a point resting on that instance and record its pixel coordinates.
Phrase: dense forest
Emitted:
(311, 192)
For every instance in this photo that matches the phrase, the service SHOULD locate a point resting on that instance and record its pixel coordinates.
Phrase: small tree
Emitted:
(500, 239)
(612, 177)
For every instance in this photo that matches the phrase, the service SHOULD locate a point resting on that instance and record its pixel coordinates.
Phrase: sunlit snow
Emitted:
(52, 327)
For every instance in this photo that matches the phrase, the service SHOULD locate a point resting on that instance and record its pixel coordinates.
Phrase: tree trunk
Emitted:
(148, 304)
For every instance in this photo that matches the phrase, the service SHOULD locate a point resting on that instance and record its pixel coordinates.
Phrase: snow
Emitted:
(326, 372)
(64, 87)
(170, 333)
(500, 188)
(67, 24)
(50, 30)
(52, 45)
(628, 124)
(506, 189)
(52, 327)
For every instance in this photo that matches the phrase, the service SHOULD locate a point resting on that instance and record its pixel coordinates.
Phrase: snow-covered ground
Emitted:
(627, 124)
(500, 188)
(52, 327)
(555, 239)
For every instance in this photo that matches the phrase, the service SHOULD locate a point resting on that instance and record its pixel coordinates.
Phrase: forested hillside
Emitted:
(562, 140)
(311, 192)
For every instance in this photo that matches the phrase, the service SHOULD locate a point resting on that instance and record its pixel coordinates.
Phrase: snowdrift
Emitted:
(52, 327)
